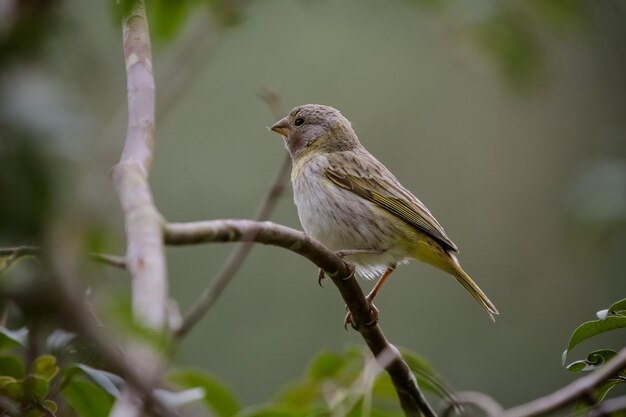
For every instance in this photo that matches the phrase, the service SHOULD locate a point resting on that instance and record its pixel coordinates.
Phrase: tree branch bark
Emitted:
(342, 274)
(145, 256)
(145, 253)
(570, 393)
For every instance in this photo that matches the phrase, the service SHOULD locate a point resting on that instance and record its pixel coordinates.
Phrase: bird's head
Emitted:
(315, 128)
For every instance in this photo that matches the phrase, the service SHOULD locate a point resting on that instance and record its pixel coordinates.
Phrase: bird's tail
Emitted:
(473, 289)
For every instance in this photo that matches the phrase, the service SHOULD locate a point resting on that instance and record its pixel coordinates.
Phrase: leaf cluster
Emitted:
(611, 319)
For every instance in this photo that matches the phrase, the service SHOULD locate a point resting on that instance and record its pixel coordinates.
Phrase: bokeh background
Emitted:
(508, 119)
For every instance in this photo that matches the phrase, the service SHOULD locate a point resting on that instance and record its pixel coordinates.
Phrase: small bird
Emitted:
(354, 205)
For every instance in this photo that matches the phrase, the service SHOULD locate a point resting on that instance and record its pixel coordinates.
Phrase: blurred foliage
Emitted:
(509, 35)
(59, 380)
(559, 14)
(24, 28)
(507, 39)
(168, 17)
(51, 381)
(25, 176)
(348, 383)
(613, 318)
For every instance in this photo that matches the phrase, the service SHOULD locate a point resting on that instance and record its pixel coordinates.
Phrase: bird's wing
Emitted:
(376, 184)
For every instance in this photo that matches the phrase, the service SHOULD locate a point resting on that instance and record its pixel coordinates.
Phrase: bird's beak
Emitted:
(281, 127)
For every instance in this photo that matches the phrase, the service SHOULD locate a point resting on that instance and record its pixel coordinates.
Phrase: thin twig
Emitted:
(19, 251)
(228, 270)
(14, 253)
(107, 259)
(411, 399)
(570, 393)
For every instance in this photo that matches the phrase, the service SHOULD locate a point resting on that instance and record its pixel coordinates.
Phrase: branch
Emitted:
(569, 394)
(226, 273)
(341, 273)
(14, 253)
(145, 257)
(19, 251)
(107, 259)
(145, 252)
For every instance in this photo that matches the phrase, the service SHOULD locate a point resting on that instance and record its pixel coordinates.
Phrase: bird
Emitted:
(355, 206)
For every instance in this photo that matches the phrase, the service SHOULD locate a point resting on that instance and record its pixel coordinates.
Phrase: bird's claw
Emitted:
(320, 277)
(321, 274)
(373, 316)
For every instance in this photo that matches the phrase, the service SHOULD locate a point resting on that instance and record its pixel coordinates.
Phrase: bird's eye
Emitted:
(299, 121)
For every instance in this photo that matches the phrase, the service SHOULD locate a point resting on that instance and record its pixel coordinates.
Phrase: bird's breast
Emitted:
(341, 219)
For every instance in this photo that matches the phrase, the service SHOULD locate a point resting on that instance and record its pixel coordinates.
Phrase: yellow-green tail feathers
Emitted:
(474, 289)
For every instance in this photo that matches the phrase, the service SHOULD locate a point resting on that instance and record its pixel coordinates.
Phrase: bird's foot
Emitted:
(322, 274)
(320, 277)
(373, 316)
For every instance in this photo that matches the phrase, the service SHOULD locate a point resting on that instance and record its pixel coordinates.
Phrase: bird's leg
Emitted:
(370, 297)
(347, 252)
(379, 284)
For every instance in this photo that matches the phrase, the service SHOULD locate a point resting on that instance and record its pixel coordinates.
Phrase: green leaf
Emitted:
(217, 397)
(326, 366)
(426, 376)
(603, 390)
(593, 328)
(167, 17)
(5, 380)
(87, 399)
(36, 387)
(598, 395)
(299, 395)
(103, 379)
(267, 411)
(12, 388)
(45, 367)
(50, 406)
(383, 388)
(30, 388)
(618, 307)
(594, 360)
(13, 337)
(11, 366)
(33, 412)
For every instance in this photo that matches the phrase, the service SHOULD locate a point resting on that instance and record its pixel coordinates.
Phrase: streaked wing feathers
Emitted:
(382, 193)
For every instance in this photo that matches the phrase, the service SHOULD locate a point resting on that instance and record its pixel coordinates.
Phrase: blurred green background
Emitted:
(506, 119)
